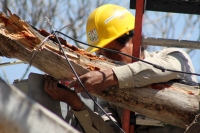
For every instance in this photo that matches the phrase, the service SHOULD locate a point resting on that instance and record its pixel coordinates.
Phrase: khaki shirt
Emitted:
(140, 74)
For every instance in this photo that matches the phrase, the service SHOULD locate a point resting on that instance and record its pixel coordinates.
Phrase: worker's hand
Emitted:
(95, 81)
(65, 95)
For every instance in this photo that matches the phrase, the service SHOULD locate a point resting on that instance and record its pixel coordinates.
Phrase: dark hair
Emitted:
(125, 38)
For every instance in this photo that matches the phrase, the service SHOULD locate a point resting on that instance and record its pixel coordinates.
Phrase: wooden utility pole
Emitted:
(171, 103)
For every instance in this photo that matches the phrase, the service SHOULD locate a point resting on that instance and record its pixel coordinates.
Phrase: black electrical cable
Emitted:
(111, 50)
(33, 55)
(82, 83)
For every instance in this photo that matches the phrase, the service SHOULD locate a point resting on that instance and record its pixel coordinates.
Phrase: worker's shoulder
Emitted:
(168, 51)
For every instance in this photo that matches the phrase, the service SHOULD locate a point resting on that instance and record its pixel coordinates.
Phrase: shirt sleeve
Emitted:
(140, 74)
(92, 122)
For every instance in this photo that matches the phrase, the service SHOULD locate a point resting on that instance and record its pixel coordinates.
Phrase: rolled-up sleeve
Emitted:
(140, 74)
(124, 76)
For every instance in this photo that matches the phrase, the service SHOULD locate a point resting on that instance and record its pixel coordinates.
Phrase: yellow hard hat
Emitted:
(106, 23)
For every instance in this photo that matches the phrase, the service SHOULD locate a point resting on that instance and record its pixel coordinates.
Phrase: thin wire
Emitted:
(111, 50)
(84, 86)
(49, 22)
(53, 32)
(64, 27)
(30, 62)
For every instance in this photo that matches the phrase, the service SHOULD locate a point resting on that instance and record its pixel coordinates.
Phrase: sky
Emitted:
(14, 72)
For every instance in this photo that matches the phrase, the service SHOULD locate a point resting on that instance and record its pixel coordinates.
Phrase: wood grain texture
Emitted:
(171, 103)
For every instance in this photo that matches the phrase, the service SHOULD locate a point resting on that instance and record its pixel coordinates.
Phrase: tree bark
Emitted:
(172, 103)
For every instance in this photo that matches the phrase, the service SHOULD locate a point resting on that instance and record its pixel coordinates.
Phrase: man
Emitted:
(112, 26)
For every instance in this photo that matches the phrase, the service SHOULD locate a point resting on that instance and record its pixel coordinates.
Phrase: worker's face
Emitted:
(127, 48)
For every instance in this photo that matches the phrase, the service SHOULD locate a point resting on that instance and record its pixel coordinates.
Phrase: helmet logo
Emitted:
(93, 36)
(115, 15)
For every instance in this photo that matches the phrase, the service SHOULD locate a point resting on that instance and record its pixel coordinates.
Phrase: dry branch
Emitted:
(172, 103)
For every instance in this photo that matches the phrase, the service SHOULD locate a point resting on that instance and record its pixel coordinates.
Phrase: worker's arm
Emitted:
(139, 73)
(65, 95)
(90, 121)
(95, 81)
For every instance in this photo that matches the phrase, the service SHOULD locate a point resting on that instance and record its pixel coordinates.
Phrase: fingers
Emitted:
(77, 86)
(54, 85)
(73, 83)
(53, 90)
(46, 83)
(50, 86)
(79, 89)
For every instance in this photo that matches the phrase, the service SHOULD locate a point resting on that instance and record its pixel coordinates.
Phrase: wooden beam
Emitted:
(171, 43)
(171, 103)
(20, 114)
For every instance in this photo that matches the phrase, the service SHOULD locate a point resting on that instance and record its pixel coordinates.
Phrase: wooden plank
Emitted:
(20, 114)
(171, 103)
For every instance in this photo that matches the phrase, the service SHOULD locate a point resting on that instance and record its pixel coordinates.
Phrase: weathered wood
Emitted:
(20, 114)
(170, 103)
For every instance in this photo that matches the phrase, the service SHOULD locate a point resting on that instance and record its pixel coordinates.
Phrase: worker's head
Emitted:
(106, 23)
(111, 26)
